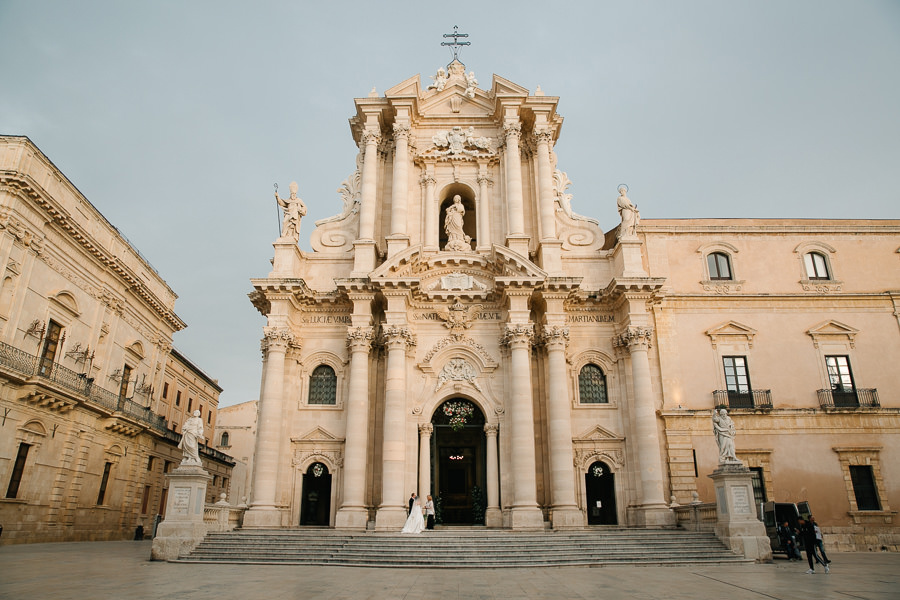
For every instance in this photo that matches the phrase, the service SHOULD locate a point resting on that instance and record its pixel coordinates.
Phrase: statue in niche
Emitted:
(723, 428)
(438, 81)
(457, 240)
(294, 210)
(629, 214)
(191, 434)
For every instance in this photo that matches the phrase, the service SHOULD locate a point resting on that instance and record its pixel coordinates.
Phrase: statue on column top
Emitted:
(629, 214)
(294, 210)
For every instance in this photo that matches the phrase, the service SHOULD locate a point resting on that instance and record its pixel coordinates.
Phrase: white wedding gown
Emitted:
(415, 523)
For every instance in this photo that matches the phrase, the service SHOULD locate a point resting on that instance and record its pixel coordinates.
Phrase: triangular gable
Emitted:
(731, 330)
(505, 87)
(598, 433)
(316, 435)
(438, 102)
(832, 329)
(408, 87)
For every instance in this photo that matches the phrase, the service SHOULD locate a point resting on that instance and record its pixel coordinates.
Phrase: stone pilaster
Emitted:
(392, 511)
(653, 510)
(562, 472)
(425, 431)
(431, 209)
(484, 208)
(493, 517)
(525, 512)
(353, 513)
(264, 509)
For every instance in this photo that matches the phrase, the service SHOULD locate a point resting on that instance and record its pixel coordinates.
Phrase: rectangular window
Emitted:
(167, 466)
(759, 489)
(18, 469)
(215, 480)
(863, 480)
(150, 462)
(101, 496)
(190, 404)
(145, 500)
(178, 398)
(123, 385)
(209, 418)
(51, 345)
(165, 390)
(225, 483)
(843, 391)
(737, 382)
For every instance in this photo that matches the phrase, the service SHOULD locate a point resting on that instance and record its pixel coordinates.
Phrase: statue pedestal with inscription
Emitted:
(736, 522)
(183, 528)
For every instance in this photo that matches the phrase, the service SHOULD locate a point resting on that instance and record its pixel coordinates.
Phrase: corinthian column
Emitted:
(353, 513)
(545, 176)
(431, 212)
(399, 191)
(562, 473)
(493, 517)
(264, 510)
(484, 208)
(392, 510)
(653, 510)
(425, 431)
(369, 176)
(514, 202)
(525, 512)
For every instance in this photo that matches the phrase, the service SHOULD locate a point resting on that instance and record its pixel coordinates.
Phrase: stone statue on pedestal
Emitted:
(191, 434)
(294, 210)
(723, 428)
(629, 213)
(457, 240)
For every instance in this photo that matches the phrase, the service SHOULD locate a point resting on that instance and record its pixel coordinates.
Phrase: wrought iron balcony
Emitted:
(854, 398)
(737, 400)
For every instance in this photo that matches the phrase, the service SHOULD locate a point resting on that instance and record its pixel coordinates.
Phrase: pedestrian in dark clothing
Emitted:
(412, 501)
(819, 542)
(808, 534)
(789, 542)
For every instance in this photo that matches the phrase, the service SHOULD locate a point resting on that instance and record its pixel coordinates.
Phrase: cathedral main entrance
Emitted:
(458, 463)
(315, 505)
(600, 485)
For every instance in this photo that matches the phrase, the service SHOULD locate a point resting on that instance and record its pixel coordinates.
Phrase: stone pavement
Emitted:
(122, 570)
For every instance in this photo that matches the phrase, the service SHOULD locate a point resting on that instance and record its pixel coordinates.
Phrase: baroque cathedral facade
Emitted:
(458, 331)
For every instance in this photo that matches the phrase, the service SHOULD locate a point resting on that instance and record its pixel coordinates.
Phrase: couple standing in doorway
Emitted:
(415, 522)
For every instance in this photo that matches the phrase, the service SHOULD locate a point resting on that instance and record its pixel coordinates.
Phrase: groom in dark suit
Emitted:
(412, 500)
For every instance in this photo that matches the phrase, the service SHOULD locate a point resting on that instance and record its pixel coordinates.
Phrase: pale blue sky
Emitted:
(175, 118)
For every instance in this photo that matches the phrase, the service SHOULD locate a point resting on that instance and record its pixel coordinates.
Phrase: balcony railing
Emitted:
(855, 398)
(751, 399)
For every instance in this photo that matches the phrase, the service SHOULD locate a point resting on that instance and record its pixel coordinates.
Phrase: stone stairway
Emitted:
(464, 548)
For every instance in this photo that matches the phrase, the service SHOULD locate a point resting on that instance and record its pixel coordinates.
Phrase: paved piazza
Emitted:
(113, 570)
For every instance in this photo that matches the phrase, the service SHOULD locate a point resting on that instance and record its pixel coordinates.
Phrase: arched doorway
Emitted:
(315, 504)
(458, 462)
(600, 485)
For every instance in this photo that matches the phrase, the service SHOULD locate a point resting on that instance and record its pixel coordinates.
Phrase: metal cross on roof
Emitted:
(455, 44)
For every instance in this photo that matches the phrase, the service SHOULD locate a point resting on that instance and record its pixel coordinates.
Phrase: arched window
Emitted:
(224, 441)
(816, 265)
(719, 265)
(592, 385)
(323, 386)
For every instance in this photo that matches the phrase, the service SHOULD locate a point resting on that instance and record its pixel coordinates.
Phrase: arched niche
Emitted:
(467, 197)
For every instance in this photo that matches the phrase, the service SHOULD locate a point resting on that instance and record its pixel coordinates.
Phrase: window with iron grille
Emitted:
(592, 385)
(323, 386)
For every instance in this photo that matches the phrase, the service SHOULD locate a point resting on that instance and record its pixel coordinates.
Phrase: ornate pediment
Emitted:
(731, 331)
(598, 433)
(316, 435)
(833, 330)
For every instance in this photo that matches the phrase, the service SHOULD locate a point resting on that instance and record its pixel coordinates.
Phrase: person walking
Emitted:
(808, 534)
(429, 513)
(819, 542)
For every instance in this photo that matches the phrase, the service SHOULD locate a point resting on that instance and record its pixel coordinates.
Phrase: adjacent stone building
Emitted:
(236, 437)
(458, 330)
(89, 382)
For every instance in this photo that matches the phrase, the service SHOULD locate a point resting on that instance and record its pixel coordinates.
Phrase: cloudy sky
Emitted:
(175, 118)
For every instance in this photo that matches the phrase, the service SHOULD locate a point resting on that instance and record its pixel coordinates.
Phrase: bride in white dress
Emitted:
(415, 523)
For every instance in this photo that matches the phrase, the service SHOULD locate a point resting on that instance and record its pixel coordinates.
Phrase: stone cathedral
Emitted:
(458, 331)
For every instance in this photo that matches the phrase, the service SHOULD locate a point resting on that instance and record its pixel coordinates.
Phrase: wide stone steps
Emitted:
(471, 548)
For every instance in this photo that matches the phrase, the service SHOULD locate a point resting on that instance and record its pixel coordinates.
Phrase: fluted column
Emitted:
(484, 209)
(399, 239)
(525, 512)
(514, 201)
(545, 177)
(369, 182)
(425, 431)
(353, 513)
(646, 433)
(392, 510)
(264, 511)
(492, 516)
(559, 413)
(431, 210)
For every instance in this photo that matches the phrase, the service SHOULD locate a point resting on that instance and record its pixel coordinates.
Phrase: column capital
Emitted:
(427, 179)
(426, 429)
(401, 131)
(634, 338)
(483, 178)
(397, 336)
(371, 137)
(278, 339)
(491, 429)
(543, 136)
(512, 129)
(555, 337)
(518, 335)
(359, 339)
